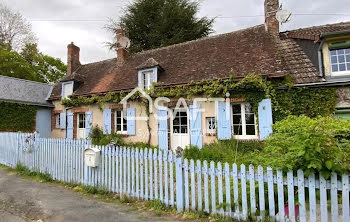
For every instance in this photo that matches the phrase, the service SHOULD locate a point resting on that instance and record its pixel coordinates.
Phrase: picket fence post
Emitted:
(179, 182)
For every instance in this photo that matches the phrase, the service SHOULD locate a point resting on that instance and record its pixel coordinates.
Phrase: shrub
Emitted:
(320, 144)
(99, 138)
(230, 151)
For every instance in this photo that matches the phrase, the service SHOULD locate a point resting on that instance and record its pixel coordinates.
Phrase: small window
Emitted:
(243, 121)
(211, 125)
(81, 121)
(121, 124)
(58, 121)
(67, 89)
(147, 79)
(340, 61)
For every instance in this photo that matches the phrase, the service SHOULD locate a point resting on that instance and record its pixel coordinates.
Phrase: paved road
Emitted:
(26, 200)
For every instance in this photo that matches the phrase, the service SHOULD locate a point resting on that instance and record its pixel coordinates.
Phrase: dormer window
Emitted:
(67, 89)
(148, 79)
(340, 57)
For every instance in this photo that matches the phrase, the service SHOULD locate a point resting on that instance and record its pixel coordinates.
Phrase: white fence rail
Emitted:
(225, 189)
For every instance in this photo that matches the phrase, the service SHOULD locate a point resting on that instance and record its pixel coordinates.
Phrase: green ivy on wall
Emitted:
(17, 117)
(253, 88)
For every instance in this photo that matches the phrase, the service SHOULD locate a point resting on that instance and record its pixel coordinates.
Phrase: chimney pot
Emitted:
(271, 23)
(73, 60)
(122, 53)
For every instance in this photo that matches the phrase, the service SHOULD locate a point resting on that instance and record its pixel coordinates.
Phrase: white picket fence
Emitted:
(149, 174)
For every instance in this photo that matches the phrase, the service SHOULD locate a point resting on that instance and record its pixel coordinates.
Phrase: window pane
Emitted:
(237, 129)
(341, 51)
(347, 51)
(341, 59)
(248, 108)
(119, 121)
(176, 121)
(334, 68)
(250, 129)
(249, 119)
(347, 58)
(333, 52)
(334, 59)
(176, 129)
(183, 121)
(348, 66)
(237, 119)
(342, 67)
(119, 127)
(184, 129)
(236, 109)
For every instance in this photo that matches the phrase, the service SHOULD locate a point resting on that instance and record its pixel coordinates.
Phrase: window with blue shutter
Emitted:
(224, 121)
(196, 125)
(70, 125)
(162, 128)
(107, 121)
(265, 118)
(88, 123)
(131, 114)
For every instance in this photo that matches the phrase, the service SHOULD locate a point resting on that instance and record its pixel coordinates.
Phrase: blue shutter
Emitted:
(224, 121)
(107, 121)
(139, 82)
(196, 125)
(131, 113)
(63, 120)
(88, 123)
(70, 126)
(265, 118)
(162, 128)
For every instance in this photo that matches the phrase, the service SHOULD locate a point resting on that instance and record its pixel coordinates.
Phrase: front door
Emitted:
(81, 126)
(180, 136)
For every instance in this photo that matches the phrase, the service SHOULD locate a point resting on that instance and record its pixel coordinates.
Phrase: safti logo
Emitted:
(181, 104)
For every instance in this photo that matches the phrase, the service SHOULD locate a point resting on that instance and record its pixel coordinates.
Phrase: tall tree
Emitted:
(48, 69)
(15, 31)
(156, 23)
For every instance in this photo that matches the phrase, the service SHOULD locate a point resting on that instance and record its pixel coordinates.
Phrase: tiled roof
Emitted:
(24, 91)
(245, 51)
(313, 33)
(241, 52)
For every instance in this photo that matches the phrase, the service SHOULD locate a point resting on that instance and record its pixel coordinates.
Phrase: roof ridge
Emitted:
(25, 80)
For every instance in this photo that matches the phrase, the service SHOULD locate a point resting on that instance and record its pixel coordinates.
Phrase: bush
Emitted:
(99, 139)
(313, 145)
(230, 151)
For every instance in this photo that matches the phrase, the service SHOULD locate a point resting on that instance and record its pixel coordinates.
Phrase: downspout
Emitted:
(320, 58)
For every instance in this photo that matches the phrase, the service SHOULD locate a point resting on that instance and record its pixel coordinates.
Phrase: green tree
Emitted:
(47, 68)
(14, 65)
(156, 23)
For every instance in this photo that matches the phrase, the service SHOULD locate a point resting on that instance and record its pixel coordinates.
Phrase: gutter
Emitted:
(320, 84)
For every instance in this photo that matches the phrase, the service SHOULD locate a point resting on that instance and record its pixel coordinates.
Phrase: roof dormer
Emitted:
(148, 73)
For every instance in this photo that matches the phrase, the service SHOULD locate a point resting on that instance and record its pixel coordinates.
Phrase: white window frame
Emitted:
(64, 85)
(207, 120)
(151, 77)
(122, 131)
(58, 121)
(338, 73)
(244, 136)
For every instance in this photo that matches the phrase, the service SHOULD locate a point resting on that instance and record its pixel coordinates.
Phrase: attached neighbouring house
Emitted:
(24, 106)
(315, 57)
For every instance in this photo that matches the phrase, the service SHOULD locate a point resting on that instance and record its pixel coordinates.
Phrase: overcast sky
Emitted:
(90, 36)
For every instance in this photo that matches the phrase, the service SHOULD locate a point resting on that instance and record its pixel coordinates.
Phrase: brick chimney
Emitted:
(122, 53)
(271, 23)
(73, 61)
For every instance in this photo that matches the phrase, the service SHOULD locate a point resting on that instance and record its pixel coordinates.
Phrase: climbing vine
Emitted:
(253, 88)
(17, 117)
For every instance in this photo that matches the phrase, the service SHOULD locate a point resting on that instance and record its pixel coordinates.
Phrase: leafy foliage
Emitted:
(313, 145)
(17, 117)
(99, 138)
(230, 151)
(157, 23)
